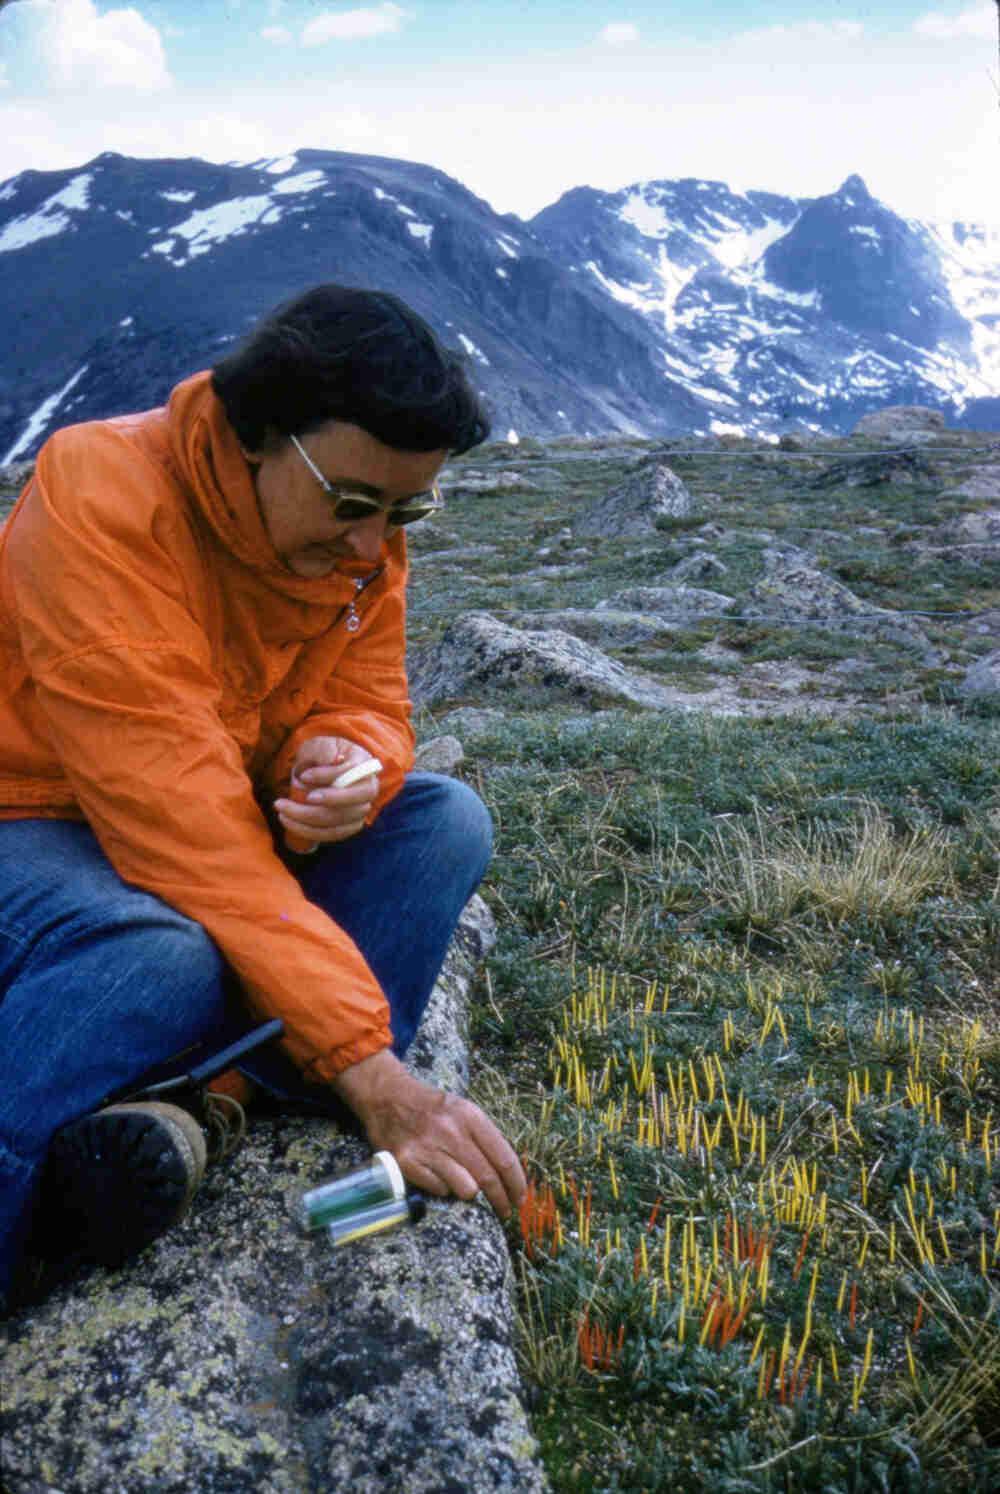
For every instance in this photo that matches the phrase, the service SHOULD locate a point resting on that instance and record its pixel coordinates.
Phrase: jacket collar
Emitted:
(219, 479)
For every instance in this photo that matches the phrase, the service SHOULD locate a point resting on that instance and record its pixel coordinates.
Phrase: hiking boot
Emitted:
(116, 1179)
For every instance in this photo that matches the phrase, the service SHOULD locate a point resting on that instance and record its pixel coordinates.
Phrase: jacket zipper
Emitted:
(353, 622)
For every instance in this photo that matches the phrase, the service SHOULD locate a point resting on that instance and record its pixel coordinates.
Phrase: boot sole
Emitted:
(116, 1179)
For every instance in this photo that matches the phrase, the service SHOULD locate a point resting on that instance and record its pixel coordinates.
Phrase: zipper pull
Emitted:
(353, 617)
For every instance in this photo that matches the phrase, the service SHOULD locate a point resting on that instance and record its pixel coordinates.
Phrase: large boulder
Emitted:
(916, 423)
(480, 656)
(239, 1355)
(653, 491)
(791, 593)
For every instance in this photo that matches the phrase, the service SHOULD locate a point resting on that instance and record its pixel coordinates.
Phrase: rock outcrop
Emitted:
(915, 423)
(797, 593)
(650, 493)
(983, 677)
(481, 656)
(238, 1355)
(604, 627)
(982, 482)
(678, 604)
(877, 470)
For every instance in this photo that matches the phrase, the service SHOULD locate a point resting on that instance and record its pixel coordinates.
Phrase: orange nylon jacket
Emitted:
(159, 669)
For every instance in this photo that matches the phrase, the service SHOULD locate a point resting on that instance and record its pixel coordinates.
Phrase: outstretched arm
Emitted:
(442, 1143)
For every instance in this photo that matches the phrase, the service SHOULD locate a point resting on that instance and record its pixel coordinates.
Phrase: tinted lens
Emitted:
(409, 513)
(349, 509)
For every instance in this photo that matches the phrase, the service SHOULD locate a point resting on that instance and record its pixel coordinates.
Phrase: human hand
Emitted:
(443, 1144)
(317, 813)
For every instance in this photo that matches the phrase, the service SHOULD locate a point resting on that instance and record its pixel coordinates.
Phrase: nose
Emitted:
(364, 538)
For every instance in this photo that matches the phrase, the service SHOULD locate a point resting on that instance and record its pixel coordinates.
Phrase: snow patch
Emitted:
(472, 350)
(648, 217)
(742, 246)
(513, 439)
(281, 164)
(50, 219)
(507, 246)
(503, 274)
(126, 321)
(40, 419)
(305, 181)
(8, 191)
(399, 206)
(422, 231)
(225, 220)
(177, 196)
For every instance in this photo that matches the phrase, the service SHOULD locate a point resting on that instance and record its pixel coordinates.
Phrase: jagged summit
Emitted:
(670, 306)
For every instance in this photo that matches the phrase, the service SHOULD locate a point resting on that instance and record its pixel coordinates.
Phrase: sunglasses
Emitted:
(350, 508)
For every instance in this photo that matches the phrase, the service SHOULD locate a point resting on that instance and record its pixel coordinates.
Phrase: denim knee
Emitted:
(462, 823)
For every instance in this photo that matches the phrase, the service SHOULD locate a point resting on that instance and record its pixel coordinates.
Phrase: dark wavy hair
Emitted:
(337, 353)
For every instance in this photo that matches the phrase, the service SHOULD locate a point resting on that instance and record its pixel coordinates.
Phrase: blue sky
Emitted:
(522, 101)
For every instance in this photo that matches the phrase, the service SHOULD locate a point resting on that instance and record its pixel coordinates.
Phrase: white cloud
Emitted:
(620, 34)
(278, 36)
(119, 49)
(978, 21)
(352, 25)
(803, 34)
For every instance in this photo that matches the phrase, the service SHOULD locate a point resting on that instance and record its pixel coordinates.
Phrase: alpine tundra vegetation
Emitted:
(743, 758)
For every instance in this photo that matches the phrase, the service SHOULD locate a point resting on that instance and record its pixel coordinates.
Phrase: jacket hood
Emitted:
(208, 459)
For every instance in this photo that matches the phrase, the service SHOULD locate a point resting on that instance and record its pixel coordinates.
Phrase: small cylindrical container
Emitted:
(367, 1222)
(380, 1182)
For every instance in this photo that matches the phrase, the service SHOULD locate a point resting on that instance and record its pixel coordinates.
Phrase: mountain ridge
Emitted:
(668, 307)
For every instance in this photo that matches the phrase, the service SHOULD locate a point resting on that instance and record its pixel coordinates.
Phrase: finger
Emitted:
(321, 825)
(501, 1160)
(362, 793)
(321, 773)
(424, 1177)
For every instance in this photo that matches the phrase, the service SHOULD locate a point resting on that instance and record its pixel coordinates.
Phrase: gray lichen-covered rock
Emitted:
(670, 603)
(482, 656)
(238, 1355)
(880, 469)
(981, 528)
(983, 677)
(14, 477)
(794, 593)
(652, 492)
(603, 627)
(902, 423)
(439, 755)
(983, 482)
(699, 567)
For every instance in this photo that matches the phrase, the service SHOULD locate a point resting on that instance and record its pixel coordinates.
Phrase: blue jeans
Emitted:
(100, 982)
